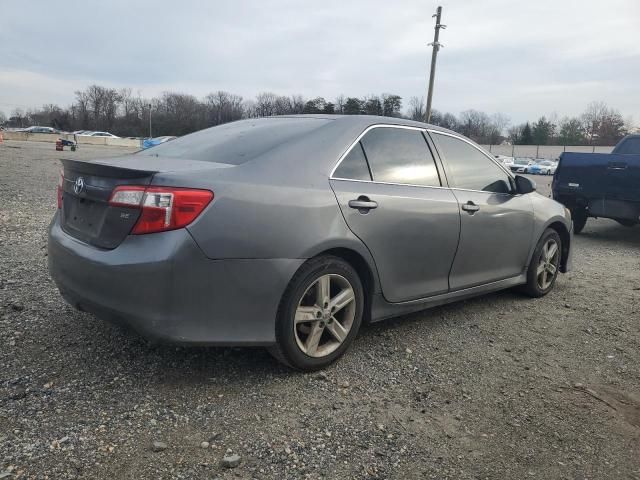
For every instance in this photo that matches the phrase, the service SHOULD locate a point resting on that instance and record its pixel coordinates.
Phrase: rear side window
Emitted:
(400, 155)
(628, 146)
(237, 142)
(354, 165)
(470, 168)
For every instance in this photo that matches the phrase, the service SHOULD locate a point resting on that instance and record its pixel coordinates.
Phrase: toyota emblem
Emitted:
(78, 186)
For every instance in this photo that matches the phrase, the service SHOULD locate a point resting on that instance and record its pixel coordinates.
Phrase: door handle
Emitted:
(617, 166)
(470, 207)
(363, 204)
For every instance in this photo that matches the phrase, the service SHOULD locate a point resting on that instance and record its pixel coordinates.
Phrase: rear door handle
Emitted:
(363, 204)
(617, 166)
(470, 207)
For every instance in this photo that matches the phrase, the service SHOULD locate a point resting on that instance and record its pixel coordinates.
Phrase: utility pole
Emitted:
(150, 136)
(436, 46)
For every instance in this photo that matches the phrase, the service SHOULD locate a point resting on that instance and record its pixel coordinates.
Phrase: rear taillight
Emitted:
(60, 188)
(162, 208)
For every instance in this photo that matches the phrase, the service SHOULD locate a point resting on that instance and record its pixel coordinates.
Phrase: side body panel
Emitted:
(412, 234)
(494, 241)
(607, 185)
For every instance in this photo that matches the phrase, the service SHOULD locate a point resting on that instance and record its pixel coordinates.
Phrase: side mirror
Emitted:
(524, 185)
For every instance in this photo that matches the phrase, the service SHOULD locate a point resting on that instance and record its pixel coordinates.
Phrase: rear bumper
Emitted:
(164, 287)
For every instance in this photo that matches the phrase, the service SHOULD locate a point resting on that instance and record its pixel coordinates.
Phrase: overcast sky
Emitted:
(522, 58)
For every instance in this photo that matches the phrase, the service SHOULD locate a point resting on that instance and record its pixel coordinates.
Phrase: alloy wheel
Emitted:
(325, 315)
(548, 264)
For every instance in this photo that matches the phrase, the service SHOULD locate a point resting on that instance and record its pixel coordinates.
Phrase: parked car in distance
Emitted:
(600, 184)
(100, 134)
(152, 142)
(38, 129)
(544, 167)
(290, 231)
(521, 165)
(505, 160)
(81, 132)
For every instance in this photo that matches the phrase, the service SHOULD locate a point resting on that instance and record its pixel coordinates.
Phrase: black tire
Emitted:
(579, 217)
(533, 288)
(627, 223)
(286, 349)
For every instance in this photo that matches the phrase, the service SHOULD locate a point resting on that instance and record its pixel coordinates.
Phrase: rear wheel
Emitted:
(319, 315)
(579, 217)
(545, 265)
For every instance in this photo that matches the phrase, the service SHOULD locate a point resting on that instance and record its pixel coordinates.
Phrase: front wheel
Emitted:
(545, 265)
(319, 315)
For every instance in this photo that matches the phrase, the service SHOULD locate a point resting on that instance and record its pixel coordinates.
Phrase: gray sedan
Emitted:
(290, 232)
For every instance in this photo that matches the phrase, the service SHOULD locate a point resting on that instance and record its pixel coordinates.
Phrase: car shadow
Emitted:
(103, 348)
(609, 231)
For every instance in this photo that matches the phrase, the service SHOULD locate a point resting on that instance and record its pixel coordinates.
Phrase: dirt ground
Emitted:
(499, 387)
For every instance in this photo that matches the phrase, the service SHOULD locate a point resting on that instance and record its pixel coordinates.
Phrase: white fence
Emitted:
(542, 151)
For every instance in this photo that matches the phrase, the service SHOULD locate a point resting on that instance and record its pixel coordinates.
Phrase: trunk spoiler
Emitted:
(103, 170)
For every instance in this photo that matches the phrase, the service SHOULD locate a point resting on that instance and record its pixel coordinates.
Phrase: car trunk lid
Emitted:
(87, 187)
(86, 213)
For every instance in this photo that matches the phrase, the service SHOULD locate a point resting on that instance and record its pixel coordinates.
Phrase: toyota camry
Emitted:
(290, 232)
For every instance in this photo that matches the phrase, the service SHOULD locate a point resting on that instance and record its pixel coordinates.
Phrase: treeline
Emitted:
(598, 125)
(121, 112)
(124, 114)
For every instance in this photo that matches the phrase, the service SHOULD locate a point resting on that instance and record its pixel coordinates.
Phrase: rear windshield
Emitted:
(237, 142)
(628, 146)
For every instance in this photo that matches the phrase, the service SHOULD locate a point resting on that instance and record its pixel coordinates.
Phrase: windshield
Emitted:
(237, 142)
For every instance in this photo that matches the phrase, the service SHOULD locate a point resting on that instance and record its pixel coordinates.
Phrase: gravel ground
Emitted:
(497, 387)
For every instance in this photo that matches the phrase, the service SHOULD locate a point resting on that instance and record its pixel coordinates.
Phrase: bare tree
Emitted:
(266, 104)
(416, 108)
(82, 104)
(500, 122)
(297, 104)
(223, 107)
(592, 119)
(339, 104)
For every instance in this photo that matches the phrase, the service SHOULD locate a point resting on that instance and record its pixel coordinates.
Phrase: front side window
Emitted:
(469, 167)
(354, 165)
(400, 155)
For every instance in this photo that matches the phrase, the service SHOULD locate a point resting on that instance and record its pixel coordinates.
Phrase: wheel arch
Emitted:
(364, 270)
(565, 237)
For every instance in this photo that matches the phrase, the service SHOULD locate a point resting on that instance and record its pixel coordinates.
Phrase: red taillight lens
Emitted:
(163, 208)
(59, 190)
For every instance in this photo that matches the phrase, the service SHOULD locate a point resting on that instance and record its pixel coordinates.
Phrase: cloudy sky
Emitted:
(522, 58)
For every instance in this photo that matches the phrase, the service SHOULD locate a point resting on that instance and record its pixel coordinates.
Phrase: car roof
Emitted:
(304, 159)
(368, 120)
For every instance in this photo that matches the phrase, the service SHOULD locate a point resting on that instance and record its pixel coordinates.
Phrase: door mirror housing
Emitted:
(524, 185)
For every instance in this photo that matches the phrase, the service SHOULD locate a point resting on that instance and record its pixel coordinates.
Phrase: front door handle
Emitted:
(363, 204)
(470, 207)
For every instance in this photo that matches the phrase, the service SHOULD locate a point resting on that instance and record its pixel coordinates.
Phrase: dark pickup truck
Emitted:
(601, 185)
